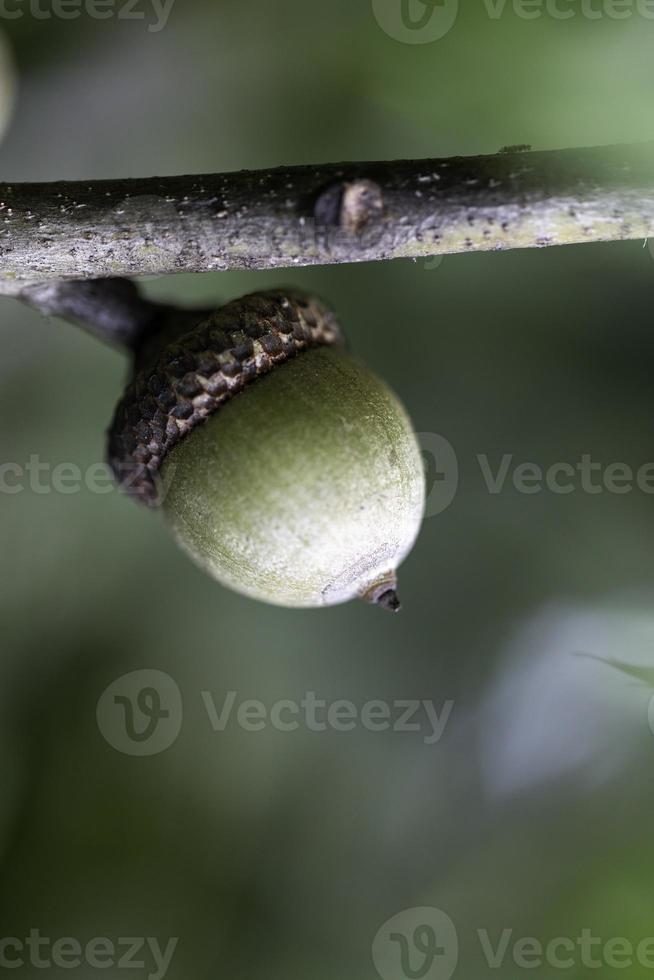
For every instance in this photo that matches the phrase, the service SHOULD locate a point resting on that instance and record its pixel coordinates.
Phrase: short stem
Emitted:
(111, 309)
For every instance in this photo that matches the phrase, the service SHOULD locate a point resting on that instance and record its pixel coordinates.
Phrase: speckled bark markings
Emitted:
(192, 377)
(334, 213)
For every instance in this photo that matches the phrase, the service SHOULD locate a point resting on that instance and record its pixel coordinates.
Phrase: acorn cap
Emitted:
(192, 377)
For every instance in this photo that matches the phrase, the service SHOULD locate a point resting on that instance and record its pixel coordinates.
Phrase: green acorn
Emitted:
(285, 467)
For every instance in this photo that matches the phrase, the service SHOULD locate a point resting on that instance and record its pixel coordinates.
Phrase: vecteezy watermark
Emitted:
(426, 21)
(585, 475)
(568, 9)
(497, 474)
(424, 943)
(42, 477)
(348, 214)
(316, 714)
(154, 13)
(141, 714)
(507, 473)
(583, 949)
(143, 953)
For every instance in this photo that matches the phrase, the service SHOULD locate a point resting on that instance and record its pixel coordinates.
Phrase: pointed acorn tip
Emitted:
(389, 600)
(383, 593)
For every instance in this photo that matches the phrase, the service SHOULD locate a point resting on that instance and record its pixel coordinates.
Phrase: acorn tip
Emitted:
(389, 600)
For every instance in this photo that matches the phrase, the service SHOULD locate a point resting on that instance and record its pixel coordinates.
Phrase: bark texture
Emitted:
(321, 215)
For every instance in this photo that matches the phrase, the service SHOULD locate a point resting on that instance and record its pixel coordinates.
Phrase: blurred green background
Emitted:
(280, 854)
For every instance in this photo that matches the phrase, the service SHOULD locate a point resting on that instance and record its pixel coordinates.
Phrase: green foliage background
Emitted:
(279, 855)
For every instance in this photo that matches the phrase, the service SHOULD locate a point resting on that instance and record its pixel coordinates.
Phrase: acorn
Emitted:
(285, 468)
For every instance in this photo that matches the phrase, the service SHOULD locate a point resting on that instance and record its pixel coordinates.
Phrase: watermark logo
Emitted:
(441, 472)
(141, 713)
(416, 944)
(433, 263)
(416, 21)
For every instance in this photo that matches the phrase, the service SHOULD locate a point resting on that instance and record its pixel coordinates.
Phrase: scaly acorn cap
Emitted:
(201, 370)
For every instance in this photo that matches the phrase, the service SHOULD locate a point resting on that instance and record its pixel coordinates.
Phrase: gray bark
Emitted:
(300, 216)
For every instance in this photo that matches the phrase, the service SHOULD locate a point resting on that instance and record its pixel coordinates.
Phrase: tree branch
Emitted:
(322, 215)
